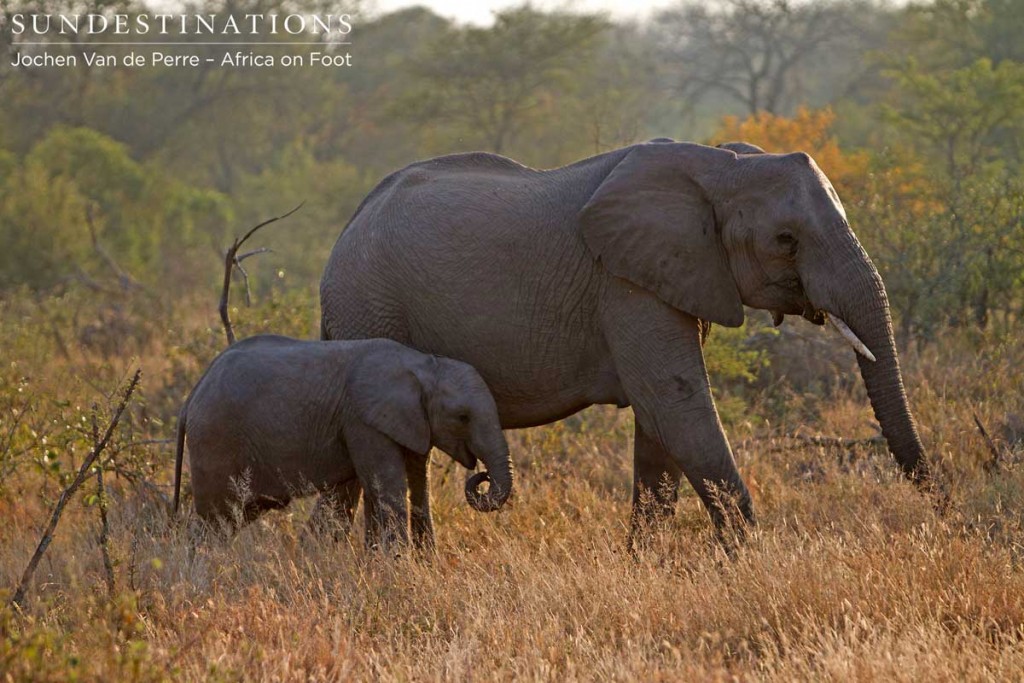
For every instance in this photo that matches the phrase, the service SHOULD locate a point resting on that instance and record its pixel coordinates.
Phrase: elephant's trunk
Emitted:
(865, 308)
(498, 462)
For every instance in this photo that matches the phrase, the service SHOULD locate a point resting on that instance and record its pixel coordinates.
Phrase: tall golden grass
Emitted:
(850, 574)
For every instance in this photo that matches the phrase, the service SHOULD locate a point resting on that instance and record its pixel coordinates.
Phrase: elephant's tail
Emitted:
(179, 455)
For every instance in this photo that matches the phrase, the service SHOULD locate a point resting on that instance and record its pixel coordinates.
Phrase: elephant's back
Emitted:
(454, 225)
(259, 377)
(479, 259)
(429, 201)
(264, 407)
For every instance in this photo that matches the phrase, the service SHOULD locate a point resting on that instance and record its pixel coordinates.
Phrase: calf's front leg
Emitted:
(417, 471)
(380, 465)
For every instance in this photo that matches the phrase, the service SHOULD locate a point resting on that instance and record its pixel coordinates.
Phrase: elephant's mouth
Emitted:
(464, 457)
(804, 309)
(814, 315)
(819, 316)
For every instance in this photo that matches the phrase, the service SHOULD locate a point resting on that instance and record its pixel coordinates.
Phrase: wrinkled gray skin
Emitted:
(591, 283)
(290, 416)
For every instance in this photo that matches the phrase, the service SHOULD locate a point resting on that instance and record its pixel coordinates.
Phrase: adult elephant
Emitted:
(592, 283)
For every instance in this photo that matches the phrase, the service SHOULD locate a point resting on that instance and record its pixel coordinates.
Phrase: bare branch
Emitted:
(58, 510)
(254, 252)
(232, 261)
(751, 50)
(124, 279)
(245, 280)
(266, 223)
(101, 495)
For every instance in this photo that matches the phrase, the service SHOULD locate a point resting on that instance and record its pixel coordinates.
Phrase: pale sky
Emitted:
(482, 11)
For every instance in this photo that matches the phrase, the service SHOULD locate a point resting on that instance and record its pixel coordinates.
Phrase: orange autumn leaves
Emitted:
(808, 131)
(860, 177)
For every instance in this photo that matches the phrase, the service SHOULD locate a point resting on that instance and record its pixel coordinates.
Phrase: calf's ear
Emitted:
(389, 397)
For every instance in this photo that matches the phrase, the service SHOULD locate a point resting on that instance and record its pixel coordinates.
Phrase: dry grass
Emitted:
(851, 573)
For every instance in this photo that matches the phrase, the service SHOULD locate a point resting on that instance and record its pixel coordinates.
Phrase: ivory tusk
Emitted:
(844, 329)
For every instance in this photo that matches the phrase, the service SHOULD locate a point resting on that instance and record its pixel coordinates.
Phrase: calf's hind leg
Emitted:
(335, 510)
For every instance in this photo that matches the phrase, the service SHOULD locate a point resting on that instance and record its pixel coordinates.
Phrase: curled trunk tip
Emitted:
(488, 501)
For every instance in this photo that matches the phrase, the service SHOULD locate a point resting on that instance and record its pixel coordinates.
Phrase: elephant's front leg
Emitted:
(417, 471)
(380, 465)
(657, 353)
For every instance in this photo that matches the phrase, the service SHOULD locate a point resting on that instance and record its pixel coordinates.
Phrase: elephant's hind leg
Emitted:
(258, 505)
(656, 478)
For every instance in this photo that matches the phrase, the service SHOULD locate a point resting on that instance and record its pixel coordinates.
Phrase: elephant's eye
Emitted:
(786, 239)
(463, 418)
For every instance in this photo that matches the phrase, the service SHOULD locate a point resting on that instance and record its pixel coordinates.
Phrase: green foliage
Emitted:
(961, 117)
(731, 353)
(42, 227)
(493, 82)
(166, 166)
(42, 650)
(956, 247)
(734, 357)
(100, 167)
(76, 184)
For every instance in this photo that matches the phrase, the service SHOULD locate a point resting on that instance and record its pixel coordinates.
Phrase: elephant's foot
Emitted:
(653, 509)
(656, 480)
(732, 513)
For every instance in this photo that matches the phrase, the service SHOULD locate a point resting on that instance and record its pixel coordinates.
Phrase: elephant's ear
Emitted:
(389, 397)
(650, 222)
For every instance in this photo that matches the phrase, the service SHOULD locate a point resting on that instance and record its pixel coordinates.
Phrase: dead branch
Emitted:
(125, 280)
(232, 261)
(245, 273)
(58, 510)
(992, 464)
(101, 495)
(254, 252)
(140, 442)
(245, 280)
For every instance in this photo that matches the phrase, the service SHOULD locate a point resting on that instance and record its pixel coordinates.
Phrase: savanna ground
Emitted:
(119, 187)
(851, 573)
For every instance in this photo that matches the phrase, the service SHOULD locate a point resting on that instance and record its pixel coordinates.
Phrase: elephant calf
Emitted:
(274, 418)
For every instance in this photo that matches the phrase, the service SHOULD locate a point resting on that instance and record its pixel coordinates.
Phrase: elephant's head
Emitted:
(422, 401)
(465, 423)
(711, 229)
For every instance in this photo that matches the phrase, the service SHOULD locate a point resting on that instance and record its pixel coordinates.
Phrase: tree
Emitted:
(76, 186)
(617, 91)
(966, 124)
(750, 50)
(808, 131)
(489, 81)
